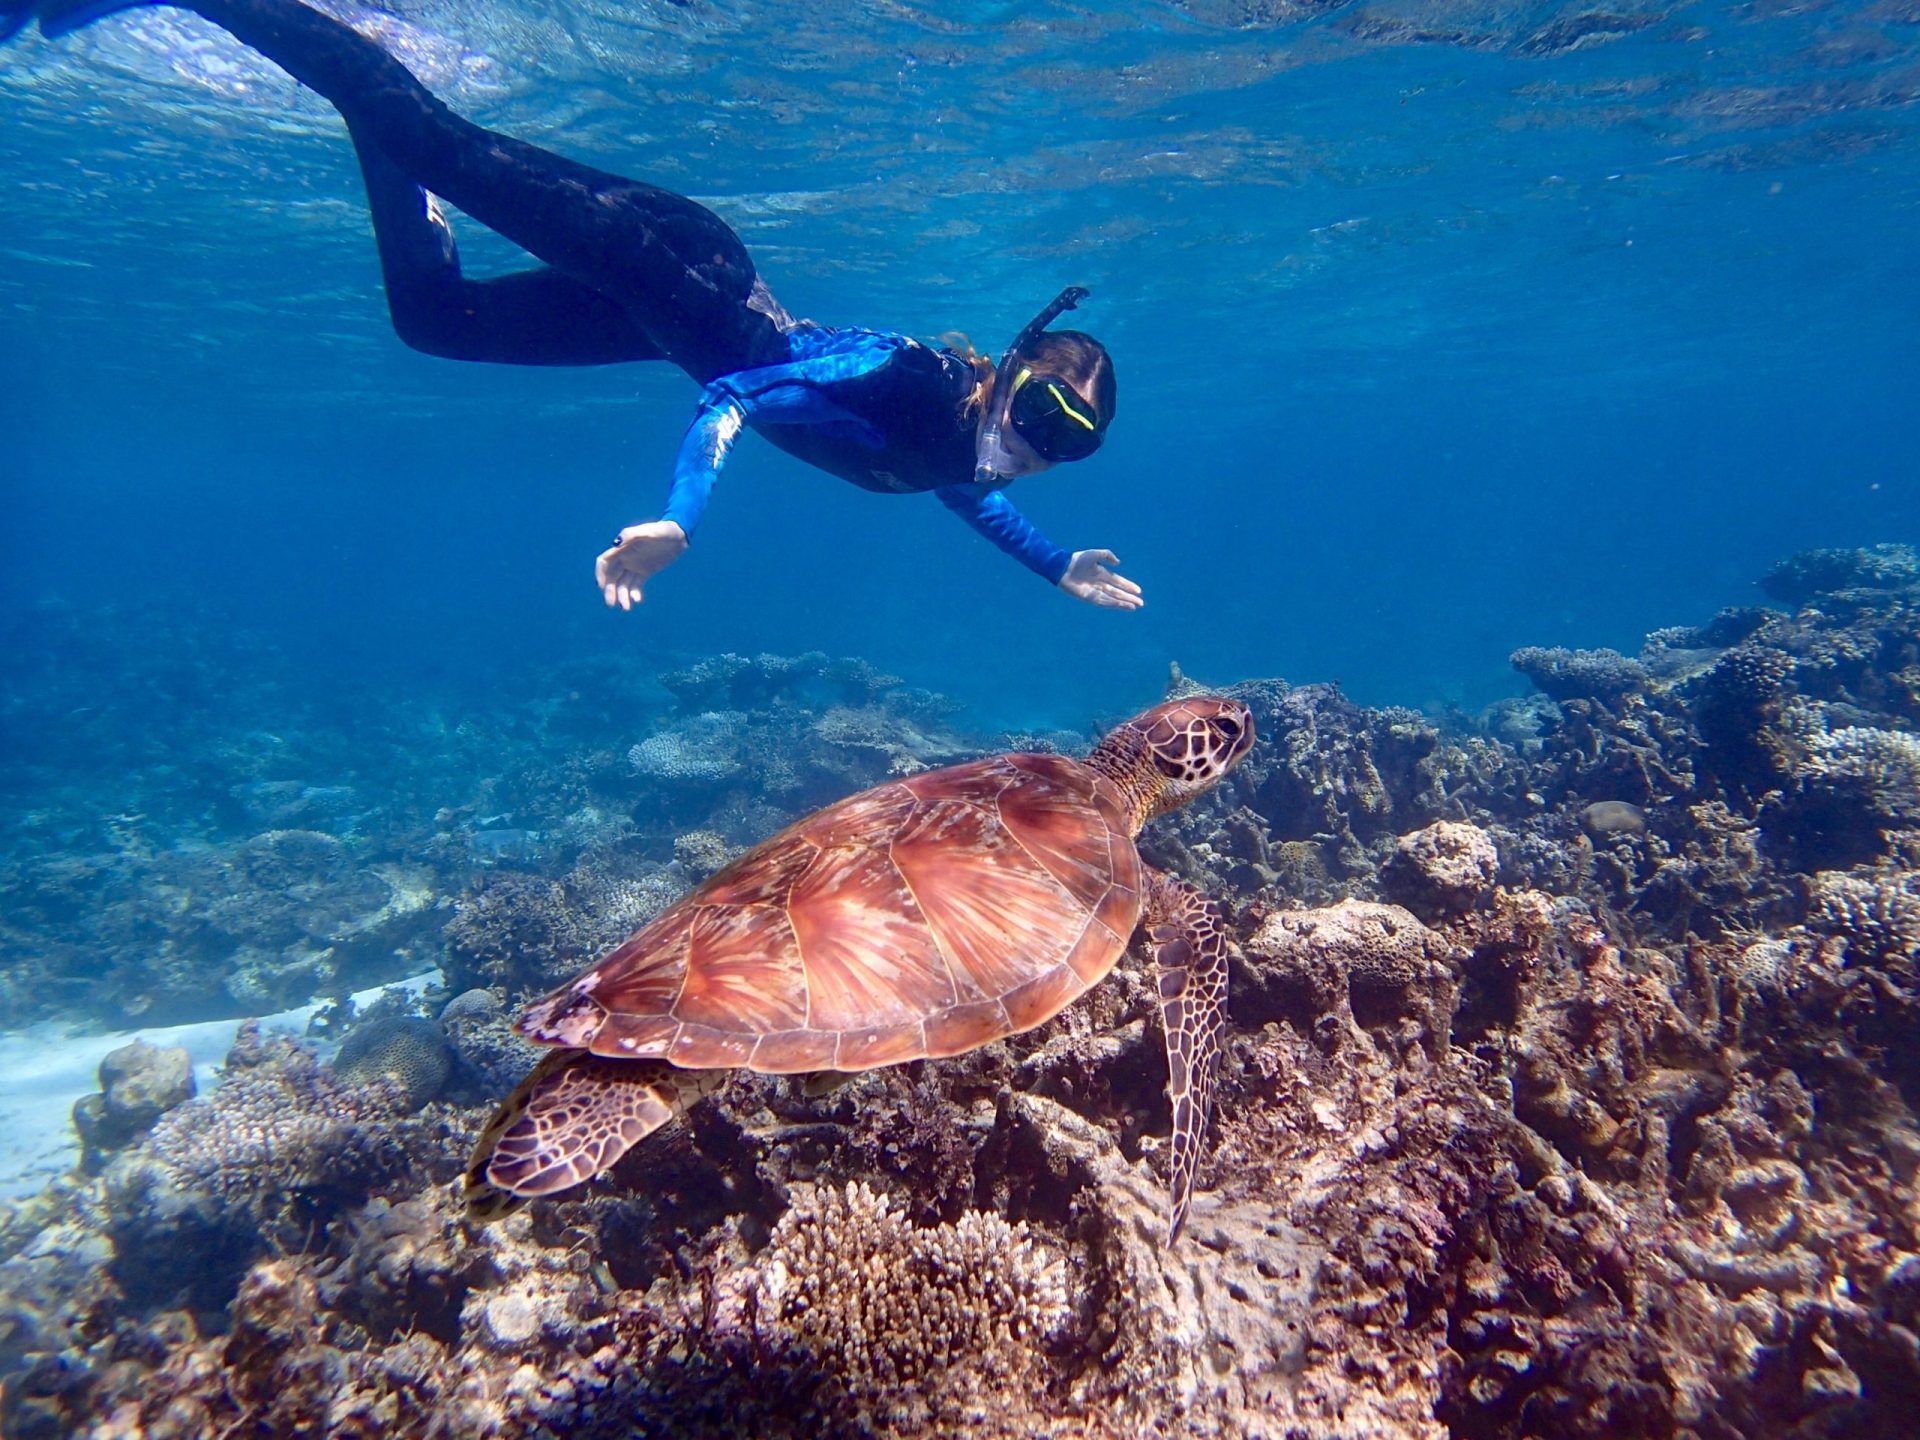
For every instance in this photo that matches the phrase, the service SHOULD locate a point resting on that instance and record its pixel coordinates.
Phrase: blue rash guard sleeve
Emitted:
(989, 511)
(794, 394)
(788, 394)
(702, 454)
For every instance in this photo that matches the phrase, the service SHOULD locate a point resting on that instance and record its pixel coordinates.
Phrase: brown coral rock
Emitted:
(408, 1054)
(1359, 961)
(1445, 868)
(139, 1083)
(1211, 1330)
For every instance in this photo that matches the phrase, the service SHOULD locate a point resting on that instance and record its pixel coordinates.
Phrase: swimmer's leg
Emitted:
(676, 267)
(535, 317)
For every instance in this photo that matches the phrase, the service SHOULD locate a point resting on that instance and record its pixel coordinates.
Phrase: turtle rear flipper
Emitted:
(570, 1119)
(1188, 932)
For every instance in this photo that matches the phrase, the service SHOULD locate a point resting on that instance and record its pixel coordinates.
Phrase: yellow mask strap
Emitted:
(1061, 400)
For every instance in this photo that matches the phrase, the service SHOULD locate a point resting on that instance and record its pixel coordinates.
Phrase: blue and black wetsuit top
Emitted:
(880, 410)
(629, 272)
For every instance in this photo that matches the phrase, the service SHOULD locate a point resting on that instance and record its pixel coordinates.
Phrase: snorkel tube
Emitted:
(993, 463)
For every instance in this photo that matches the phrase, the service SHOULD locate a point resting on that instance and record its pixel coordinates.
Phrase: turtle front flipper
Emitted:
(572, 1117)
(1188, 932)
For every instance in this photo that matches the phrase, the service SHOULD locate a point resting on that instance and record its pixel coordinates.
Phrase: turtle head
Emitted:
(1164, 757)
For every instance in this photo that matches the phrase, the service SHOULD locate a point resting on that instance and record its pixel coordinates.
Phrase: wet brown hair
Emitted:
(959, 344)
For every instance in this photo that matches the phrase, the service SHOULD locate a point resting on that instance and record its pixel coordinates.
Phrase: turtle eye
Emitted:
(1229, 729)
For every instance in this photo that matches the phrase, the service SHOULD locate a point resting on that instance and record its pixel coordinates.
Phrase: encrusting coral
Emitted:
(409, 1053)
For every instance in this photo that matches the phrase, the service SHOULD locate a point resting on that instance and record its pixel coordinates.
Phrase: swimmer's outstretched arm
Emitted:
(773, 395)
(643, 551)
(1089, 579)
(1082, 574)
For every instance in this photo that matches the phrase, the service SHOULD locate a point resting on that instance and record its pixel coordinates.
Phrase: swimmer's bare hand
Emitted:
(1089, 579)
(641, 553)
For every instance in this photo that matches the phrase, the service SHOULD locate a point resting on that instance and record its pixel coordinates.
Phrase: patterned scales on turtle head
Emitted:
(923, 918)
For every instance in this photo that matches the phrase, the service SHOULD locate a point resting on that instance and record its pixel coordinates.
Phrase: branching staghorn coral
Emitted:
(1877, 915)
(1886, 763)
(288, 1123)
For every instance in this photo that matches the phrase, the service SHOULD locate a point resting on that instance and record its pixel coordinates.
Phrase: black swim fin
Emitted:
(57, 17)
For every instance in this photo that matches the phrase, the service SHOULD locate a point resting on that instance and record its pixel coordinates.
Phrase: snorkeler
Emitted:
(634, 272)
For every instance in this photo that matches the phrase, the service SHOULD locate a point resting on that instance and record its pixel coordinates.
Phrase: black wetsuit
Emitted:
(632, 272)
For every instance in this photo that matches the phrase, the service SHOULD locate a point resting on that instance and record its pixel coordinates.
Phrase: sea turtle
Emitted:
(921, 918)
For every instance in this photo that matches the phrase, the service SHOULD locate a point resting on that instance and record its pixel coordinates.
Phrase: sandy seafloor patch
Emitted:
(48, 1067)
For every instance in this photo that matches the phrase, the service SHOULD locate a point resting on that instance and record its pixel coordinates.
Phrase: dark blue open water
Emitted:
(1440, 329)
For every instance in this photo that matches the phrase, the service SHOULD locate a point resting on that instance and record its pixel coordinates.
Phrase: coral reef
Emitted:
(279, 1122)
(478, 1026)
(816, 730)
(699, 853)
(1331, 786)
(522, 933)
(712, 778)
(322, 835)
(282, 1143)
(1825, 574)
(251, 926)
(1570, 1093)
(1357, 962)
(1878, 770)
(700, 751)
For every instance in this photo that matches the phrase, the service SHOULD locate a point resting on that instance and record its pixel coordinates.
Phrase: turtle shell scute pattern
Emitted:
(922, 918)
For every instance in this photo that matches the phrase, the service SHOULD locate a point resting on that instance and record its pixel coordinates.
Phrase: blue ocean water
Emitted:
(1440, 329)
(1443, 327)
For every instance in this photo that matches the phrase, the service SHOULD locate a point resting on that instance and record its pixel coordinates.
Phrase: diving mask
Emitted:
(1045, 419)
(1047, 413)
